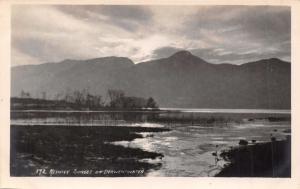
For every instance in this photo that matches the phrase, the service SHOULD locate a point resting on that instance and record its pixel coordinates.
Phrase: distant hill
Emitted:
(181, 80)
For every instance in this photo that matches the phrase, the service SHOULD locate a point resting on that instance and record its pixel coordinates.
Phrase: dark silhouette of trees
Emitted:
(116, 98)
(94, 101)
(119, 100)
(151, 103)
(79, 99)
(83, 99)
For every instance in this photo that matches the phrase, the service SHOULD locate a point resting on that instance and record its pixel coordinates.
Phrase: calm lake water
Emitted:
(195, 133)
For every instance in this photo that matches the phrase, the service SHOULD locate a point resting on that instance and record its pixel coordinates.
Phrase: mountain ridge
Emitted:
(174, 55)
(181, 80)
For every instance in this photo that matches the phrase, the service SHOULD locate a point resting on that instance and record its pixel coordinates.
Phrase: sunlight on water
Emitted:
(189, 145)
(189, 153)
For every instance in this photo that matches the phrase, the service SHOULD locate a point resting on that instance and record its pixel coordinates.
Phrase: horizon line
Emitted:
(136, 63)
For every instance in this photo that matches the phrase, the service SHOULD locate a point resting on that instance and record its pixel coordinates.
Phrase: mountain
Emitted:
(181, 80)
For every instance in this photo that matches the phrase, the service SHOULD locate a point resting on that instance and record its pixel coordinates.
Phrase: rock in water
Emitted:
(243, 142)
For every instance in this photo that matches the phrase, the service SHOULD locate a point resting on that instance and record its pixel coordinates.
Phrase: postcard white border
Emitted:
(146, 182)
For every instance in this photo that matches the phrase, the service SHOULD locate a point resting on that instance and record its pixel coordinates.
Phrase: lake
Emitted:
(193, 136)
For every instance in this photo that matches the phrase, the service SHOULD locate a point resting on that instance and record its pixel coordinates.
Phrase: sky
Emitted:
(217, 34)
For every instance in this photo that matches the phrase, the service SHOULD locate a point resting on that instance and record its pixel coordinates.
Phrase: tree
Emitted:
(116, 98)
(44, 95)
(151, 103)
(115, 94)
(134, 102)
(93, 101)
(22, 95)
(25, 94)
(78, 98)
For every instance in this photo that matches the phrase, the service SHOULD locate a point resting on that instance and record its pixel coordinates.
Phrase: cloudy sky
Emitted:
(218, 34)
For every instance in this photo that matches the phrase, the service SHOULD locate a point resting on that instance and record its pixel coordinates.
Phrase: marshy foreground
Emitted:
(78, 151)
(150, 144)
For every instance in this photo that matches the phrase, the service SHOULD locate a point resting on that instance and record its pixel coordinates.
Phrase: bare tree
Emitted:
(115, 94)
(44, 95)
(78, 98)
(25, 94)
(116, 98)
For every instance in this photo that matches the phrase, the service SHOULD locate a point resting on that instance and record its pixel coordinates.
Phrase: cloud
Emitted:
(235, 34)
(126, 17)
(57, 36)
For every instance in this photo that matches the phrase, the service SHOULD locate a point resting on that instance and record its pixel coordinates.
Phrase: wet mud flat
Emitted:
(79, 151)
(268, 159)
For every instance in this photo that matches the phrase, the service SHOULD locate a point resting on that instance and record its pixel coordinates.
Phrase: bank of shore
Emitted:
(269, 159)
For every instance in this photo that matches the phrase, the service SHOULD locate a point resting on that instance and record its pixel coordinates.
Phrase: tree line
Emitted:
(83, 99)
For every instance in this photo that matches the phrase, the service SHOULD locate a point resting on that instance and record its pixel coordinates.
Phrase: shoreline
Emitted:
(173, 110)
(267, 159)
